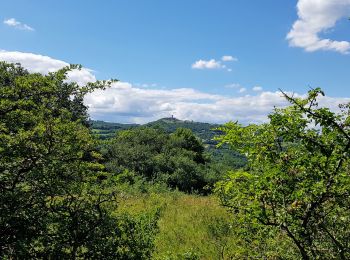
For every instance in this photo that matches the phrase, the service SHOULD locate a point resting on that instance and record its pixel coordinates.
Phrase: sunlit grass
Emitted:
(190, 226)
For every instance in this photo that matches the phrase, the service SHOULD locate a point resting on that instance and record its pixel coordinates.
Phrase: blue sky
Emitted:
(153, 45)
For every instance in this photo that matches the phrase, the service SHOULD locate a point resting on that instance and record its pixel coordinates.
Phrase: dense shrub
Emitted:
(297, 181)
(177, 159)
(53, 202)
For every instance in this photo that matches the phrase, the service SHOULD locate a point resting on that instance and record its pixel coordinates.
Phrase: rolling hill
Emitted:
(204, 131)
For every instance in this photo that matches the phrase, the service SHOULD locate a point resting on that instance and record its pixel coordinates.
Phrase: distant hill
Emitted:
(106, 130)
(204, 131)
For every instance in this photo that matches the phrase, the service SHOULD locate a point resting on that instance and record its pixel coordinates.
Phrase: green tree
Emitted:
(177, 159)
(185, 139)
(136, 150)
(53, 201)
(297, 180)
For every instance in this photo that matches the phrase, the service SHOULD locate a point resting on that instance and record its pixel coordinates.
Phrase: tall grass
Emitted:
(190, 226)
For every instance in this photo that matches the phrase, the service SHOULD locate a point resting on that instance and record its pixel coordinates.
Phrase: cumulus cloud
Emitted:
(228, 58)
(44, 64)
(316, 17)
(145, 85)
(242, 90)
(18, 25)
(207, 64)
(124, 102)
(257, 88)
(233, 85)
(214, 64)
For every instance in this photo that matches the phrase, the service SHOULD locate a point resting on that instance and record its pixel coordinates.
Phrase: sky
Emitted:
(201, 60)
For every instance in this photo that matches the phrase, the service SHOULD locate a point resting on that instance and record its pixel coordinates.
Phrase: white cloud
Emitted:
(145, 85)
(208, 64)
(228, 58)
(214, 64)
(18, 25)
(124, 102)
(257, 88)
(233, 85)
(242, 90)
(127, 103)
(315, 17)
(44, 64)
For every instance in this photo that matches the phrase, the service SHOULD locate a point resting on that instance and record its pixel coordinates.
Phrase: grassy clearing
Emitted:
(191, 227)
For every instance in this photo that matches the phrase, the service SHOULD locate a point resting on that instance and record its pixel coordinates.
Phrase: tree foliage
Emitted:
(297, 180)
(177, 158)
(222, 156)
(53, 201)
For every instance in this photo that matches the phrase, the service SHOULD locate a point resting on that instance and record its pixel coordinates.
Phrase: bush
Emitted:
(176, 159)
(297, 181)
(56, 201)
